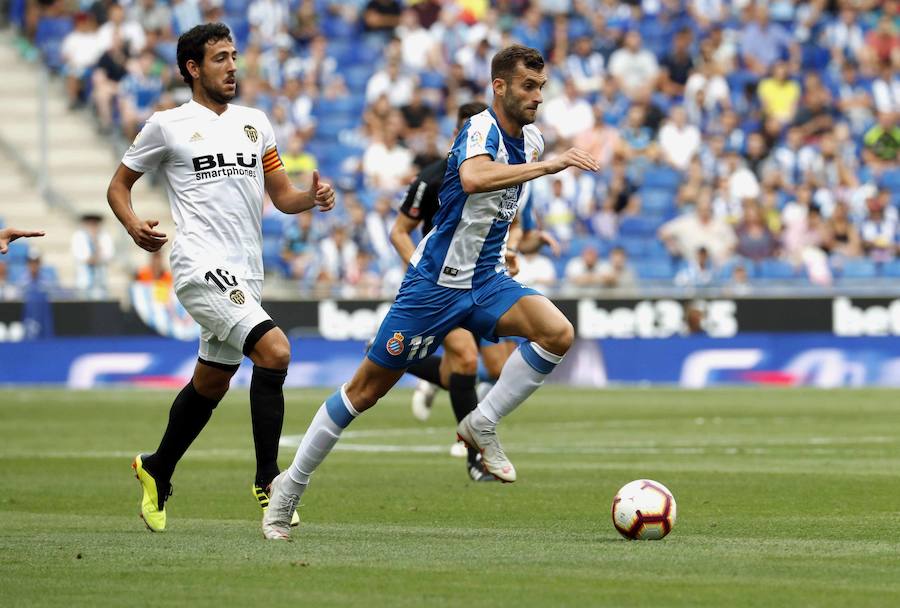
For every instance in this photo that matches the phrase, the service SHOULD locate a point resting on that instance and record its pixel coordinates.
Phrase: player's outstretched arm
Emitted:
(118, 195)
(289, 199)
(481, 174)
(8, 235)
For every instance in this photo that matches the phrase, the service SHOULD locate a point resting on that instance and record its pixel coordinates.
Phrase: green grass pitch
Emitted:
(785, 498)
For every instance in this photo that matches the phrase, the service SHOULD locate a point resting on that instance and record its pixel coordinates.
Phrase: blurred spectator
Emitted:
(678, 140)
(419, 51)
(298, 250)
(337, 261)
(558, 212)
(815, 115)
(584, 270)
(779, 95)
(616, 271)
(269, 18)
(37, 312)
(754, 240)
(303, 23)
(687, 233)
(633, 66)
(185, 15)
(80, 50)
(139, 91)
(387, 165)
(118, 25)
(842, 239)
(886, 90)
(152, 15)
(92, 248)
(154, 271)
(298, 163)
(568, 114)
(536, 270)
(844, 37)
(378, 226)
(678, 64)
(110, 70)
(584, 66)
(382, 16)
(739, 282)
(853, 99)
(698, 270)
(391, 81)
(879, 229)
(762, 42)
(8, 291)
(793, 159)
(882, 143)
(883, 43)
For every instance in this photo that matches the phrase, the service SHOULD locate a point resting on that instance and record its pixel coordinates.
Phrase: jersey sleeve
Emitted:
(271, 160)
(480, 136)
(415, 194)
(148, 149)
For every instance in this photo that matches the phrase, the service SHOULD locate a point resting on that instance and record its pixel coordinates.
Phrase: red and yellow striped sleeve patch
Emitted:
(271, 161)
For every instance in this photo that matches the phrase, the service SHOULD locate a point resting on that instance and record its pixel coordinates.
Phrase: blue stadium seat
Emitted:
(641, 226)
(664, 178)
(891, 180)
(891, 269)
(654, 270)
(862, 268)
(272, 226)
(775, 269)
(48, 39)
(357, 77)
(659, 202)
(18, 252)
(814, 57)
(271, 254)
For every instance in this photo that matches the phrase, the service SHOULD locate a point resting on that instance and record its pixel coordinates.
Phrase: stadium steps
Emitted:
(80, 163)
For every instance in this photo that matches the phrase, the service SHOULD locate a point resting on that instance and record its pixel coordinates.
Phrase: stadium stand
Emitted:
(785, 97)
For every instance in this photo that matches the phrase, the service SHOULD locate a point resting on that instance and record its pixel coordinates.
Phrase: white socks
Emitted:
(522, 374)
(323, 433)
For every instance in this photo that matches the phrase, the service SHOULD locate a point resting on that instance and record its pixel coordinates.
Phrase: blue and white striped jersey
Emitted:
(465, 247)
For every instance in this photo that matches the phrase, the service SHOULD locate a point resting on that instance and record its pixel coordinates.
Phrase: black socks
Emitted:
(189, 414)
(267, 416)
(463, 399)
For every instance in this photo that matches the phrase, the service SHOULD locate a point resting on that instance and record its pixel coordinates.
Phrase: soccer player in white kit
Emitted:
(217, 161)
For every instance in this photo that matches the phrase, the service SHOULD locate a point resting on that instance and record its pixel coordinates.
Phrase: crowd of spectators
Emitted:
(739, 140)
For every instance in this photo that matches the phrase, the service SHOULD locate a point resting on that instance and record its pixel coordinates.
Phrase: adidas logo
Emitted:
(195, 137)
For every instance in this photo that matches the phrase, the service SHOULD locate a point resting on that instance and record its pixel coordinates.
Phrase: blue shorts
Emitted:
(424, 313)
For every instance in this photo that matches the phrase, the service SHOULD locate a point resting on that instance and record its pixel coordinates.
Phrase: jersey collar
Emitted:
(199, 107)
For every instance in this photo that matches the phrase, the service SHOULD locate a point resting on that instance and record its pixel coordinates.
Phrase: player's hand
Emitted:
(324, 193)
(146, 237)
(574, 157)
(550, 241)
(8, 235)
(512, 262)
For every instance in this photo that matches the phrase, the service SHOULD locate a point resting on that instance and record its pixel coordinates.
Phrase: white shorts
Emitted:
(226, 308)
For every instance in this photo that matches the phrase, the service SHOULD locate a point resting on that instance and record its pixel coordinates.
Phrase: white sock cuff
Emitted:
(346, 401)
(546, 355)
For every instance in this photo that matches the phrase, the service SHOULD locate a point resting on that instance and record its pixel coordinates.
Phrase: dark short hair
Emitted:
(504, 63)
(192, 45)
(468, 110)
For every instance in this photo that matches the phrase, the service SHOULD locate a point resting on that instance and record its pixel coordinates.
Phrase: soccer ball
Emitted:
(643, 510)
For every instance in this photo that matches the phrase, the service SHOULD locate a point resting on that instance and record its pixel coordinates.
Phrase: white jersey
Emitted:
(214, 168)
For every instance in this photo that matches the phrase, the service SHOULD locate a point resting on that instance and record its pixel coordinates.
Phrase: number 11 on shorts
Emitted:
(419, 346)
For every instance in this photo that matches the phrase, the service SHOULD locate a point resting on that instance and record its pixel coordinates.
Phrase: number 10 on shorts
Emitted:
(419, 346)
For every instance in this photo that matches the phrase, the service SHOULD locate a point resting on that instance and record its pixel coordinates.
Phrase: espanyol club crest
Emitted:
(475, 139)
(395, 344)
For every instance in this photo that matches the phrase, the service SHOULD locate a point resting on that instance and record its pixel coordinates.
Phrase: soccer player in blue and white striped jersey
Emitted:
(457, 278)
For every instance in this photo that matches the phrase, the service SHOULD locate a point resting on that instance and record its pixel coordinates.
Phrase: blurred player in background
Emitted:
(218, 161)
(8, 235)
(457, 278)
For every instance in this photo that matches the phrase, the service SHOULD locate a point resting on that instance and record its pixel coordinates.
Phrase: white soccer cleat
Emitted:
(485, 440)
(459, 450)
(276, 522)
(422, 398)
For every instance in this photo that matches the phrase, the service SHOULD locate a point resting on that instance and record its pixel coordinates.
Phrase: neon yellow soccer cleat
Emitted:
(153, 502)
(262, 496)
